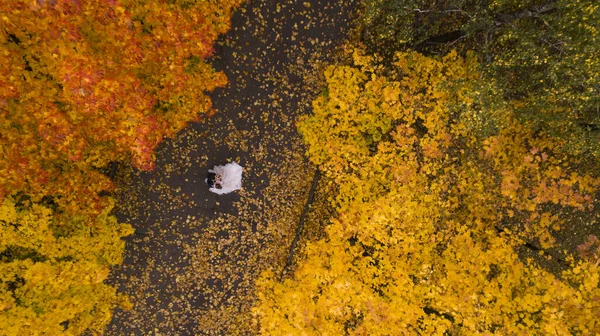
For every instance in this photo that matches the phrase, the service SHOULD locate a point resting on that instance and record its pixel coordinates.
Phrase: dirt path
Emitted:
(191, 266)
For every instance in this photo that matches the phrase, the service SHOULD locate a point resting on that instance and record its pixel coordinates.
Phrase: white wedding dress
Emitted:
(231, 178)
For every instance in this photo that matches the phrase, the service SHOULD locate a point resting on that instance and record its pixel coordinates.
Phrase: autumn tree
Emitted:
(543, 54)
(84, 83)
(430, 213)
(52, 275)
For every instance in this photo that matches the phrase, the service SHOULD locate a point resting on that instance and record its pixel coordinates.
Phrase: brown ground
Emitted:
(191, 265)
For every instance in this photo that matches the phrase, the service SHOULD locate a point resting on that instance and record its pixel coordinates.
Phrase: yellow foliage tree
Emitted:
(429, 214)
(51, 276)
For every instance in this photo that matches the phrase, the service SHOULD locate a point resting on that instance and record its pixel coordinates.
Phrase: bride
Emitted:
(224, 179)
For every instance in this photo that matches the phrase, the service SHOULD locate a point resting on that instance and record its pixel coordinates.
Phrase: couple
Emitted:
(224, 179)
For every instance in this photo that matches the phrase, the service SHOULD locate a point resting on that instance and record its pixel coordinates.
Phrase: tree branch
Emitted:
(311, 195)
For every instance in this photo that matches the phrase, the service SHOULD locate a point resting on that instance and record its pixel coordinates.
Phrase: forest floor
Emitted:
(190, 267)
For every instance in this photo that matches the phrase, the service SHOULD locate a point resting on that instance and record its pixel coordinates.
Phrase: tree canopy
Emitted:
(82, 84)
(430, 213)
(542, 54)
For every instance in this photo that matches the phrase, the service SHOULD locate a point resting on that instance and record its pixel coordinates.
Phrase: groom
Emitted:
(213, 180)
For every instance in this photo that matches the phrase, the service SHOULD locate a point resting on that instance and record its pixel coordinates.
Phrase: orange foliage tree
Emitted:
(430, 213)
(83, 83)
